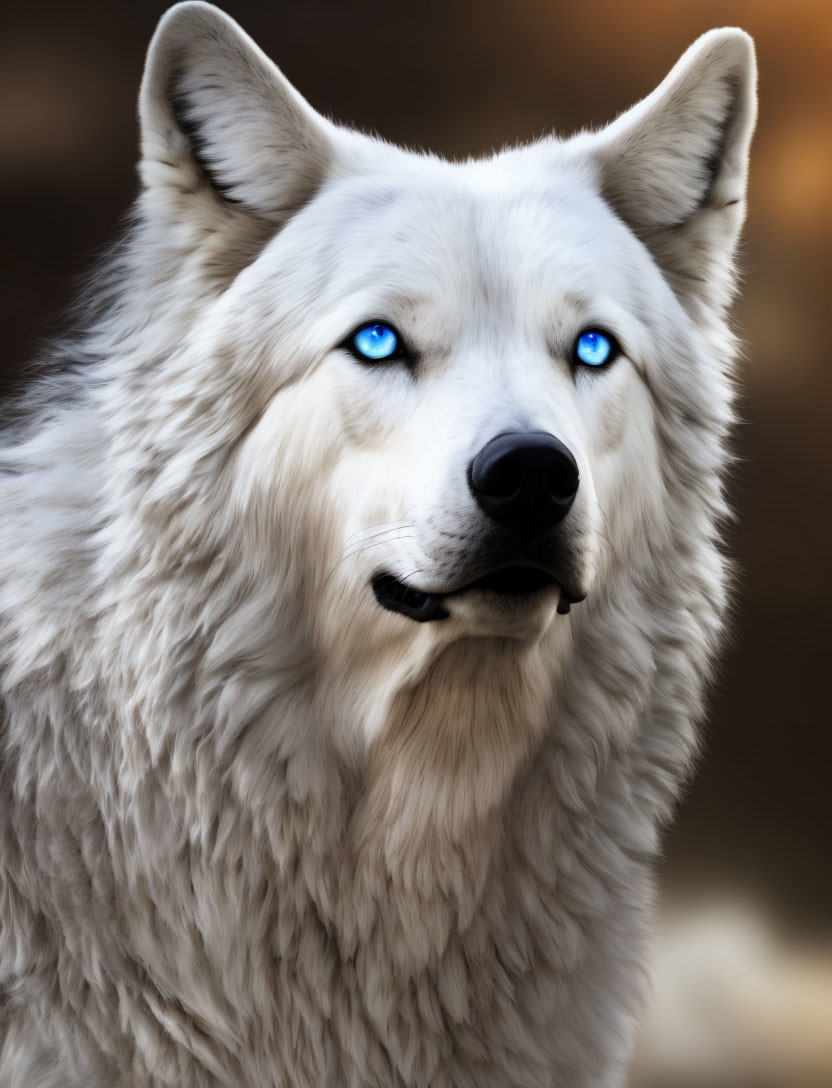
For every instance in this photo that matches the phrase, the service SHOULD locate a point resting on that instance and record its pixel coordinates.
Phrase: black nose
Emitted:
(527, 481)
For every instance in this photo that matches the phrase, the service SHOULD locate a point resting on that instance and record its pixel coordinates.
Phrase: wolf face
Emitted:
(355, 477)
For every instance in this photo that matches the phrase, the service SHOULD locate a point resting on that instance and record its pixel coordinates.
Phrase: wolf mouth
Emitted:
(517, 580)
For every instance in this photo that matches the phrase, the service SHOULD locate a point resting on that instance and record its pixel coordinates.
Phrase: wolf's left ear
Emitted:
(674, 167)
(222, 130)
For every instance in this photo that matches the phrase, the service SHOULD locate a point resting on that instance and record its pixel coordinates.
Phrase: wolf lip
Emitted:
(395, 596)
(512, 581)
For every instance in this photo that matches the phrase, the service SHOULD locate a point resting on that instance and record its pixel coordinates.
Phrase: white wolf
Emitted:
(310, 777)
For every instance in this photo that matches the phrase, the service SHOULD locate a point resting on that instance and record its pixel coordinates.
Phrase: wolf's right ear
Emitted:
(216, 114)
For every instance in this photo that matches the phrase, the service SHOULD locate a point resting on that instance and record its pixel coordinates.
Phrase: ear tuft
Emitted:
(216, 112)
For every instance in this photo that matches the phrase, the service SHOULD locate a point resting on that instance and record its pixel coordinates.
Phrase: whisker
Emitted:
(376, 539)
(384, 526)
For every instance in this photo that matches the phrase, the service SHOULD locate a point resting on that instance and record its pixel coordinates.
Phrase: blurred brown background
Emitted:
(745, 965)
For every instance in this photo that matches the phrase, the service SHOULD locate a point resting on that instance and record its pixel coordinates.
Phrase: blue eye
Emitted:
(376, 342)
(594, 348)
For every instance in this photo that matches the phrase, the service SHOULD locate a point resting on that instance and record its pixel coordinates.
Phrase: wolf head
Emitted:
(425, 401)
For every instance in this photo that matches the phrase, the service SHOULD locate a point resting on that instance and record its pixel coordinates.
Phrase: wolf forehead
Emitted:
(500, 237)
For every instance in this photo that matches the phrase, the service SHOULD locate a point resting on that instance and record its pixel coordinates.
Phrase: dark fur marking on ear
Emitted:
(180, 107)
(714, 161)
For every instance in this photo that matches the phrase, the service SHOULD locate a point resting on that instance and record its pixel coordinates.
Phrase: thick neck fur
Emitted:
(402, 897)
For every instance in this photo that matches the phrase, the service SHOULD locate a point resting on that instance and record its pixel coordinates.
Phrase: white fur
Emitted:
(255, 830)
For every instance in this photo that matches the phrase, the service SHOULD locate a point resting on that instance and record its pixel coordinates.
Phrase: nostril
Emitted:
(563, 482)
(497, 478)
